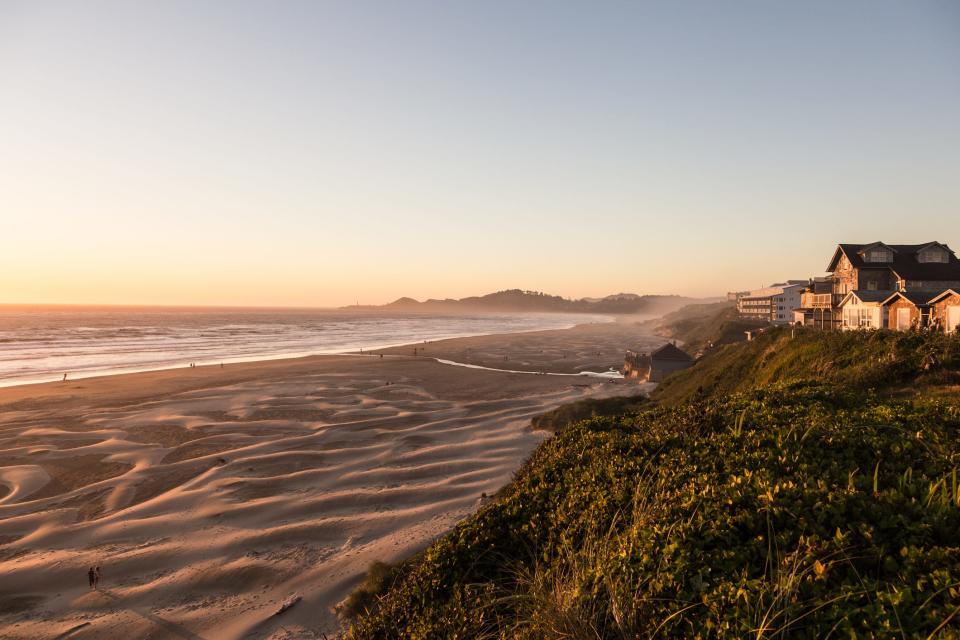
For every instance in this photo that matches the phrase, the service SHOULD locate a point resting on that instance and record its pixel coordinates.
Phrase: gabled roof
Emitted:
(904, 264)
(944, 294)
(934, 244)
(918, 298)
(873, 245)
(866, 296)
(669, 351)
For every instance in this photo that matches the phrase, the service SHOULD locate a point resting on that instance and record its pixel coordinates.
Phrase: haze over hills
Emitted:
(535, 301)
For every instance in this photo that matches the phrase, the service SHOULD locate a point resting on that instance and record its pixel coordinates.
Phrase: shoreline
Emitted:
(267, 357)
(211, 496)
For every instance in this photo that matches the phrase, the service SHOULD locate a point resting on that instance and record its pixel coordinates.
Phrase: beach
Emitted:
(210, 496)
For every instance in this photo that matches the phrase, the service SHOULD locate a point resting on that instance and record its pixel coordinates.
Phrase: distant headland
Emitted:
(514, 300)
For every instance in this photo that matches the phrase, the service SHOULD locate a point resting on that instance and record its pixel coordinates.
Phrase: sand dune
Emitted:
(210, 496)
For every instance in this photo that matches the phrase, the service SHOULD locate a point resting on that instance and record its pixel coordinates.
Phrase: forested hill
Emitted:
(516, 300)
(801, 485)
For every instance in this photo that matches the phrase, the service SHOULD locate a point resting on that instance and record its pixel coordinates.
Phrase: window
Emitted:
(850, 317)
(933, 254)
(872, 285)
(879, 255)
(859, 317)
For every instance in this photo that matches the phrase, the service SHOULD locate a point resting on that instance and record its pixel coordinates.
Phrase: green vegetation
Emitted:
(573, 412)
(857, 360)
(804, 486)
(380, 577)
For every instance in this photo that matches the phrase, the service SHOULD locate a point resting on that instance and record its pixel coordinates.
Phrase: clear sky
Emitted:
(320, 153)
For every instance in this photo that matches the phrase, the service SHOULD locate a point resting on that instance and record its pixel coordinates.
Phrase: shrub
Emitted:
(567, 414)
(362, 600)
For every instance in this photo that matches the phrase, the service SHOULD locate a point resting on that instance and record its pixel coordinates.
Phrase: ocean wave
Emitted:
(42, 346)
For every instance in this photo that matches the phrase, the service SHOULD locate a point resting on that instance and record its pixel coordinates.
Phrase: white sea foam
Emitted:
(40, 346)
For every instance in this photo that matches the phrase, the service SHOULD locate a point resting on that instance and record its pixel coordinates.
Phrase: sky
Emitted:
(326, 153)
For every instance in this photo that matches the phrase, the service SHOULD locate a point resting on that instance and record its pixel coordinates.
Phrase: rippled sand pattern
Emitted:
(209, 503)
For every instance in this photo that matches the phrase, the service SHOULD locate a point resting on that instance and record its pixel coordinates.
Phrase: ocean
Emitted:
(41, 345)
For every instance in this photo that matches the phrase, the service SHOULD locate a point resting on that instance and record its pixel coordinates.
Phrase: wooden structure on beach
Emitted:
(656, 366)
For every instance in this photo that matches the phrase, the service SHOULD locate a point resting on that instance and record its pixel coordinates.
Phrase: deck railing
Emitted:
(819, 300)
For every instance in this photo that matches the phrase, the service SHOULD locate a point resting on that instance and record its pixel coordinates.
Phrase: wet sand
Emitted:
(211, 495)
(587, 347)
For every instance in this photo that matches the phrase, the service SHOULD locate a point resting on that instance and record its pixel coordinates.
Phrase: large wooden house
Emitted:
(865, 277)
(877, 266)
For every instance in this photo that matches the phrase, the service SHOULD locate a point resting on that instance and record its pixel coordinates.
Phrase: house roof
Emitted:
(775, 289)
(940, 296)
(670, 351)
(904, 264)
(918, 298)
(866, 296)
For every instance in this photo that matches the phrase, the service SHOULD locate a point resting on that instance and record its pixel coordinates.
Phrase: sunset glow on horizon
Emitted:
(323, 154)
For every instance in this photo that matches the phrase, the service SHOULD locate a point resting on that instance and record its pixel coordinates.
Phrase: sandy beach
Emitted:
(210, 496)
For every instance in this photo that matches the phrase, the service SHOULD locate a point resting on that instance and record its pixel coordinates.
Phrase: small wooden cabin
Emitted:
(666, 360)
(907, 310)
(945, 311)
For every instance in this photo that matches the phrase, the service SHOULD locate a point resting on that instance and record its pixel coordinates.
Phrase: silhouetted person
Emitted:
(92, 578)
(64, 377)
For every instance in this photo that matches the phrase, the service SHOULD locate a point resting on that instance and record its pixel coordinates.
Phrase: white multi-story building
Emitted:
(774, 304)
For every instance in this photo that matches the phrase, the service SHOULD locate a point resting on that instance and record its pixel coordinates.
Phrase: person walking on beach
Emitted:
(92, 578)
(64, 377)
(96, 578)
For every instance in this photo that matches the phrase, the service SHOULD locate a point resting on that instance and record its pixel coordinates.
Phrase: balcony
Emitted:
(819, 300)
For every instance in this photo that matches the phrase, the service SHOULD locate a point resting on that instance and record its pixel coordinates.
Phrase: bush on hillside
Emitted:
(380, 578)
(568, 414)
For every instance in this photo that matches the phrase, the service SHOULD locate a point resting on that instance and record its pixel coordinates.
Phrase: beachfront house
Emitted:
(919, 270)
(896, 267)
(931, 266)
(666, 360)
(774, 304)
